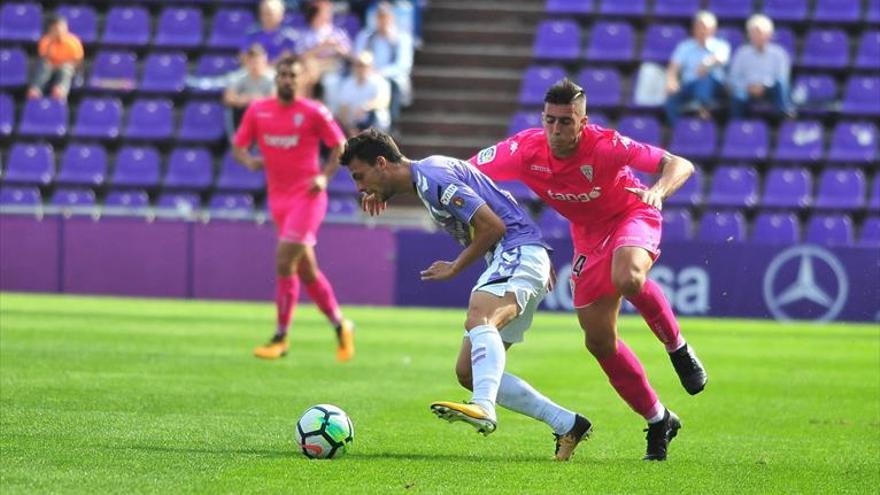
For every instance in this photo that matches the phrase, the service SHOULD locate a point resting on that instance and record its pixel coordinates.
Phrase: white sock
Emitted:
(518, 396)
(487, 365)
(661, 413)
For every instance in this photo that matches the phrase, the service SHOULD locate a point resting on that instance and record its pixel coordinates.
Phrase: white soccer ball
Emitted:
(324, 432)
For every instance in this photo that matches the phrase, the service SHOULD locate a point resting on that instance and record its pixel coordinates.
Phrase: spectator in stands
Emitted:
(392, 49)
(696, 69)
(277, 40)
(256, 82)
(61, 52)
(324, 48)
(364, 98)
(760, 70)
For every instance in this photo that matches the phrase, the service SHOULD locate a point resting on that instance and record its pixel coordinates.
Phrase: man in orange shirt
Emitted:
(61, 53)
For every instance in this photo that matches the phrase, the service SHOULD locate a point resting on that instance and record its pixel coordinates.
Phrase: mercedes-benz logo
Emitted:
(805, 286)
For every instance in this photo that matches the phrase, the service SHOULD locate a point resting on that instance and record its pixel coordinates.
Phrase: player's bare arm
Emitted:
(488, 231)
(242, 156)
(674, 171)
(330, 167)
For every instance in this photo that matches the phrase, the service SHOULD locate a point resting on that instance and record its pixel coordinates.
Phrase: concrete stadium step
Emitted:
(460, 124)
(467, 78)
(489, 12)
(513, 35)
(415, 146)
(475, 55)
(464, 101)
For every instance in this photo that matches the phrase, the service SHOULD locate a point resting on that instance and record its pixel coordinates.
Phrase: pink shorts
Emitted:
(298, 217)
(591, 265)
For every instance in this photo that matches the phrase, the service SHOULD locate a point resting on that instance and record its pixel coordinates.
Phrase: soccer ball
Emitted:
(324, 432)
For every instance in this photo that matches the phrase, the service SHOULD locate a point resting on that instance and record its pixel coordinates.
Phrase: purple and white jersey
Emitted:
(453, 190)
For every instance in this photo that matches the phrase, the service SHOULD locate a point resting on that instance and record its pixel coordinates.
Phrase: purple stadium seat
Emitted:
(557, 40)
(814, 92)
(98, 118)
(730, 10)
(182, 203)
(294, 20)
(776, 228)
(350, 23)
(554, 225)
(722, 226)
(128, 26)
(677, 224)
(870, 232)
(660, 40)
(799, 141)
(682, 9)
(20, 196)
(235, 177)
(7, 114)
(874, 199)
(642, 128)
(694, 138)
(231, 204)
(113, 70)
(136, 166)
(150, 119)
(868, 54)
(633, 8)
(690, 193)
(735, 186)
(208, 74)
(135, 199)
(872, 15)
(598, 118)
(732, 34)
(825, 49)
(30, 163)
(73, 197)
(341, 185)
(522, 120)
(229, 27)
(569, 7)
(854, 142)
(536, 79)
(82, 21)
(13, 68)
(786, 10)
(179, 27)
(830, 230)
(83, 165)
(519, 190)
(44, 117)
(745, 140)
(784, 37)
(862, 96)
(611, 41)
(838, 11)
(342, 208)
(21, 21)
(202, 122)
(841, 189)
(602, 86)
(189, 168)
(787, 188)
(164, 73)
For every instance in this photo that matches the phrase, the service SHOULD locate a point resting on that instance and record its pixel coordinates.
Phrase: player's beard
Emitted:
(285, 93)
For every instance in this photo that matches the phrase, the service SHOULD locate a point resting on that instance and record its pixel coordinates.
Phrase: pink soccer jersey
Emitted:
(289, 138)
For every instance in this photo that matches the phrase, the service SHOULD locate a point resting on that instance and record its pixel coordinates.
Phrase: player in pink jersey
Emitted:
(289, 131)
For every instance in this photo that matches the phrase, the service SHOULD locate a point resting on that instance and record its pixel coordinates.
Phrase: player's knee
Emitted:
(629, 282)
(475, 317)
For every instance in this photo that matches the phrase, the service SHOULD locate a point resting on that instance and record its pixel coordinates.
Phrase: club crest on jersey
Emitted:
(486, 156)
(298, 119)
(458, 202)
(587, 170)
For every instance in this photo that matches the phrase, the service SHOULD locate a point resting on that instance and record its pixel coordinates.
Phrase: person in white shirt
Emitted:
(760, 71)
(364, 97)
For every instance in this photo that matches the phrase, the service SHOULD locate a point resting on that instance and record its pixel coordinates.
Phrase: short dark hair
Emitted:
(565, 92)
(54, 19)
(290, 60)
(370, 145)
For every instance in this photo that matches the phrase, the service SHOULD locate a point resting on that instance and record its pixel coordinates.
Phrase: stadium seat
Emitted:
(872, 14)
(71, 197)
(733, 35)
(114, 71)
(30, 163)
(598, 118)
(870, 236)
(98, 118)
(568, 7)
(164, 73)
(680, 9)
(136, 166)
(660, 40)
(611, 42)
(642, 128)
(730, 10)
(83, 165)
(557, 40)
(602, 86)
(208, 76)
(799, 141)
(7, 115)
(874, 197)
(519, 190)
(854, 142)
(745, 140)
(616, 8)
(13, 68)
(189, 168)
(350, 23)
(150, 119)
(342, 208)
(44, 117)
(127, 26)
(814, 93)
(82, 21)
(776, 228)
(231, 204)
(294, 20)
(786, 10)
(523, 120)
(722, 226)
(340, 185)
(837, 11)
(536, 79)
(21, 21)
(784, 37)
(862, 96)
(553, 225)
(868, 54)
(134, 199)
(787, 188)
(733, 186)
(694, 138)
(841, 189)
(235, 177)
(829, 230)
(180, 203)
(20, 196)
(690, 193)
(677, 224)
(202, 122)
(229, 28)
(179, 27)
(825, 49)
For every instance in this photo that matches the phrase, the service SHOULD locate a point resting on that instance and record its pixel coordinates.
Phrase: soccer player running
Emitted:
(489, 224)
(289, 130)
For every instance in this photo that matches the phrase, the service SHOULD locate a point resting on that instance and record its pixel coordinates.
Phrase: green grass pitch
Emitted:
(103, 395)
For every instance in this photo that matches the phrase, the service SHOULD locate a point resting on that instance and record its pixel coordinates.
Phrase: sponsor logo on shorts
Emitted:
(486, 156)
(584, 197)
(448, 193)
(284, 142)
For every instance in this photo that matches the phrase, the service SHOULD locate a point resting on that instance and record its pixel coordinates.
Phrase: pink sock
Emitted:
(321, 292)
(655, 309)
(627, 376)
(286, 295)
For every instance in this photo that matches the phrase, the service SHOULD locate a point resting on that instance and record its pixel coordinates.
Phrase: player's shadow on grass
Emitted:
(264, 453)
(487, 457)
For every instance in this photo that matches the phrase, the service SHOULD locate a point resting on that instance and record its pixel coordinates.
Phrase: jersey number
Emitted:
(578, 265)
